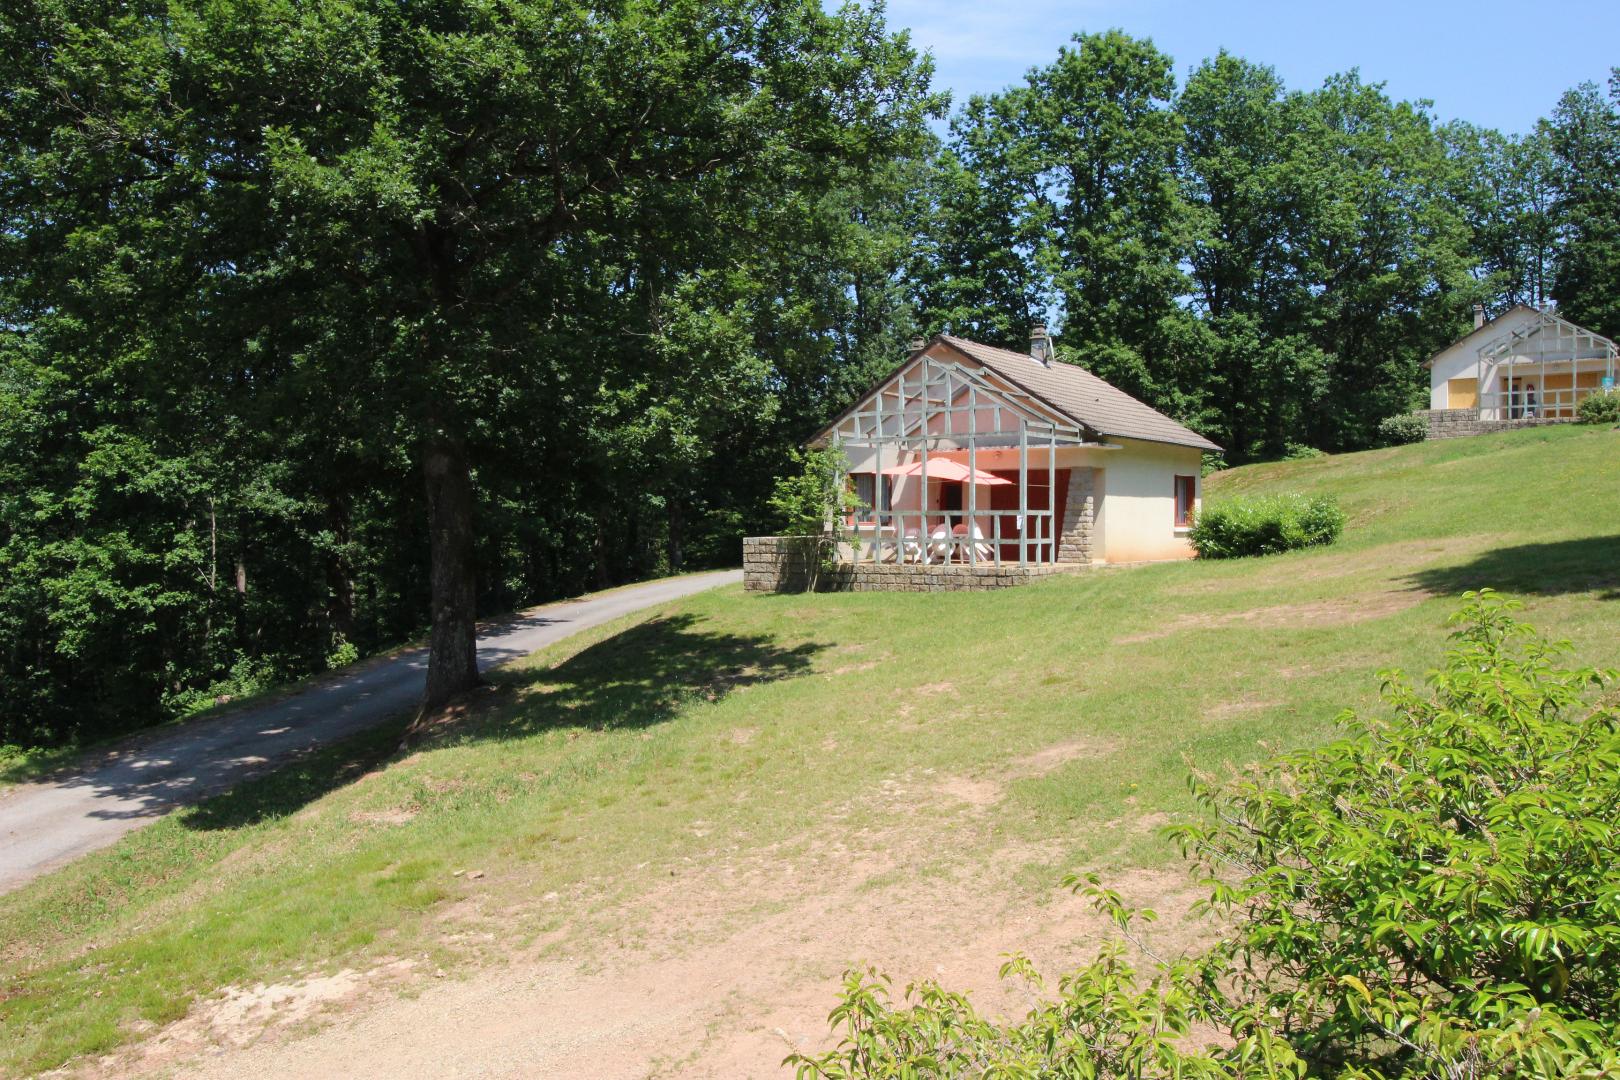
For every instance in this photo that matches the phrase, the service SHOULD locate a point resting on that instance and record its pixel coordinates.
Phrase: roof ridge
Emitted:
(1082, 394)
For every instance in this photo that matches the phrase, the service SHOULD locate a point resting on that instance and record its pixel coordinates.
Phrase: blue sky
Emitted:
(1499, 65)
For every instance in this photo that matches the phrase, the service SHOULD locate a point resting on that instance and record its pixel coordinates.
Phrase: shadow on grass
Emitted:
(1591, 564)
(297, 783)
(635, 679)
(641, 677)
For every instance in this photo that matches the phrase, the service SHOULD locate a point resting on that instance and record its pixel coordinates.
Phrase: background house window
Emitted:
(1186, 498)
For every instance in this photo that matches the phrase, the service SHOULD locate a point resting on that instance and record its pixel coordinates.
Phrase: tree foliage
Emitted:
(294, 293)
(1584, 132)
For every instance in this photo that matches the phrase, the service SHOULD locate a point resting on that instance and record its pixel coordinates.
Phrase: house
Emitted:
(1523, 365)
(972, 455)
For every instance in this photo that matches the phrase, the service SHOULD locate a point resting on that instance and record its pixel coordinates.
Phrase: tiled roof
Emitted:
(1084, 397)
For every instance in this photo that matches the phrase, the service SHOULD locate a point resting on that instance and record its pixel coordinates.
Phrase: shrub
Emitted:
(1402, 429)
(1300, 452)
(1432, 895)
(805, 500)
(1265, 525)
(1600, 409)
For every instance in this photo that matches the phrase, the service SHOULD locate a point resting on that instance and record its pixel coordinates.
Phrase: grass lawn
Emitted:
(728, 724)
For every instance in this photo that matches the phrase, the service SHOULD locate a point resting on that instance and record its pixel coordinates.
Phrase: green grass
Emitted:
(600, 766)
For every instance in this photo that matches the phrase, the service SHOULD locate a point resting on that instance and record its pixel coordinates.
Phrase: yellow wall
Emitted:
(1462, 393)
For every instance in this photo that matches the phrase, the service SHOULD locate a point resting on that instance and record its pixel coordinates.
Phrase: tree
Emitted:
(1584, 132)
(1241, 168)
(1058, 197)
(1506, 194)
(1104, 142)
(427, 215)
(1382, 248)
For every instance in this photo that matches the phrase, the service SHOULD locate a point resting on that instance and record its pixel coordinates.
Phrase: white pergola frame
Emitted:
(919, 410)
(1553, 340)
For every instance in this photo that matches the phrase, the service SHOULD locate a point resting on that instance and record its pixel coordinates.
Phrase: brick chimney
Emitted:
(1040, 345)
(1479, 316)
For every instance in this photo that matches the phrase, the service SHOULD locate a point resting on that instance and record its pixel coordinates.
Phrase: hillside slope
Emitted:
(647, 850)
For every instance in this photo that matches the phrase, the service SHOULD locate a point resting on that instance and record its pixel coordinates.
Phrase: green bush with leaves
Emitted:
(1265, 525)
(808, 499)
(1402, 428)
(1599, 408)
(1432, 895)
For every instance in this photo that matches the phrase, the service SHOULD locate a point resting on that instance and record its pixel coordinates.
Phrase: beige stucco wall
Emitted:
(1138, 502)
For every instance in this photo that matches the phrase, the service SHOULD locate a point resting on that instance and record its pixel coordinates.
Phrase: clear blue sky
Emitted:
(1499, 65)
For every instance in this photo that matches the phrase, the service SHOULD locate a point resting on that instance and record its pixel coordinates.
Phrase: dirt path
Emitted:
(44, 825)
(718, 971)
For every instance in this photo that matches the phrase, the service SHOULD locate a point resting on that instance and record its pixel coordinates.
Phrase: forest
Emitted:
(325, 327)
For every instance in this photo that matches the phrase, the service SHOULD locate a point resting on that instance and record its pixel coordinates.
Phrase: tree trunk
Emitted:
(677, 535)
(340, 604)
(452, 644)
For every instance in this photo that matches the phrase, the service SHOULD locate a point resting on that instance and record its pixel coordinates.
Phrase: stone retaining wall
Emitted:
(780, 563)
(885, 577)
(1456, 423)
(789, 564)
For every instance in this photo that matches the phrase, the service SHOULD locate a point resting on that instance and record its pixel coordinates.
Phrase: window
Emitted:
(865, 494)
(867, 491)
(1186, 499)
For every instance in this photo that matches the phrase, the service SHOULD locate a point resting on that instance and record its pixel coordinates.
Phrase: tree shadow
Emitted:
(1591, 564)
(297, 783)
(635, 679)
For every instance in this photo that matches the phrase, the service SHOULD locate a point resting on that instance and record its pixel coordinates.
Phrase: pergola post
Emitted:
(1023, 492)
(973, 476)
(1051, 496)
(922, 497)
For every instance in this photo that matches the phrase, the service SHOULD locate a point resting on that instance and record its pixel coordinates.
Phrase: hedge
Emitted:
(1402, 429)
(1265, 525)
(1600, 409)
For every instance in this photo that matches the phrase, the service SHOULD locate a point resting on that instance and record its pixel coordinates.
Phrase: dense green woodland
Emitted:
(326, 324)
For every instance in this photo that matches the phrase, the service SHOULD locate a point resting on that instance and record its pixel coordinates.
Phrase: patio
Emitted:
(960, 468)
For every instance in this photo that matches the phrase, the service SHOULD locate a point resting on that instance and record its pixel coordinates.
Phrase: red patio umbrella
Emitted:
(946, 469)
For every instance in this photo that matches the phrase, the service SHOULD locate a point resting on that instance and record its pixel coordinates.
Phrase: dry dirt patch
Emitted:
(1338, 611)
(1243, 706)
(718, 970)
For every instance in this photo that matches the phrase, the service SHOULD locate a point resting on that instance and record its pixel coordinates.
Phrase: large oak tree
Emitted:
(412, 224)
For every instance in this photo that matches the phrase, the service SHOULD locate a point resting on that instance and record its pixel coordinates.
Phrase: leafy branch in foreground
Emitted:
(1432, 895)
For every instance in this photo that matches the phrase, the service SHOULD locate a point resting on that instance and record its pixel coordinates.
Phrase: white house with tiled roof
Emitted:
(967, 453)
(1522, 365)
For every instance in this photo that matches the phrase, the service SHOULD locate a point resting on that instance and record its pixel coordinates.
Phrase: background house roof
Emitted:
(1082, 395)
(1477, 331)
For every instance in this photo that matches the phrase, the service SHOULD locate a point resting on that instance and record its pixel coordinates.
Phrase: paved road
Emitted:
(44, 825)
